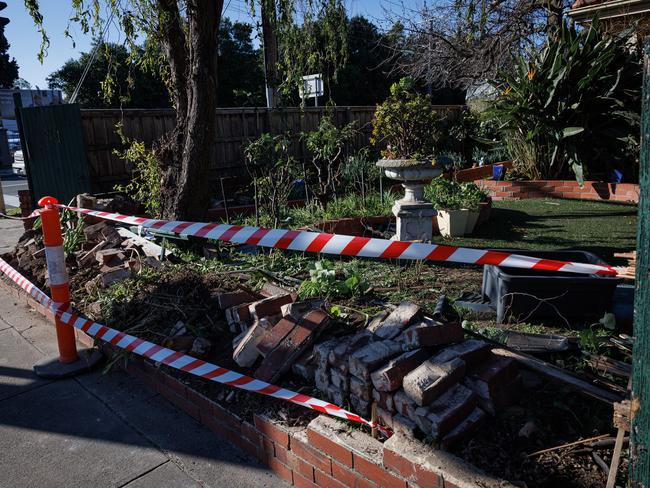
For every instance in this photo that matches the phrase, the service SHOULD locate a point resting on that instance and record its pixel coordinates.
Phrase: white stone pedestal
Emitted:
(414, 214)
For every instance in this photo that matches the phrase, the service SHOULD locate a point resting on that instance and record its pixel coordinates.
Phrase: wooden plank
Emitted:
(640, 433)
(558, 374)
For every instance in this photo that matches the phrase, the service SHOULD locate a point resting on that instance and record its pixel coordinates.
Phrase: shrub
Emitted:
(447, 194)
(326, 145)
(274, 171)
(572, 106)
(406, 124)
(145, 183)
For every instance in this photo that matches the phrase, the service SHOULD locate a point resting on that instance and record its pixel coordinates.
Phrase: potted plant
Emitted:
(458, 205)
(472, 200)
(408, 128)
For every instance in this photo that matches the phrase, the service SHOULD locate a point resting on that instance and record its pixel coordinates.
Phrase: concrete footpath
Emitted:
(99, 430)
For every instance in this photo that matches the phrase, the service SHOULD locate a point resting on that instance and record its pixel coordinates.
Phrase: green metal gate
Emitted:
(54, 151)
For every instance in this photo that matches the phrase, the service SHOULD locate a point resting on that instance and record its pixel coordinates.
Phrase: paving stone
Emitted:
(429, 333)
(429, 380)
(397, 320)
(17, 358)
(472, 351)
(369, 358)
(390, 376)
(446, 412)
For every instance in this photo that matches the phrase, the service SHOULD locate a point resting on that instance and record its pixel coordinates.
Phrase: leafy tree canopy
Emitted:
(130, 85)
(8, 67)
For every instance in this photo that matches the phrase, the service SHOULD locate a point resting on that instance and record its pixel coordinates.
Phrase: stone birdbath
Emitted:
(414, 214)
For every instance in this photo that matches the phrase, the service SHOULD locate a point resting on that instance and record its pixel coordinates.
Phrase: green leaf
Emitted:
(571, 131)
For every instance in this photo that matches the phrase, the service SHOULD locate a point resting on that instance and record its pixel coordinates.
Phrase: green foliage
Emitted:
(146, 179)
(324, 281)
(350, 205)
(326, 146)
(406, 124)
(450, 195)
(572, 106)
(359, 173)
(274, 170)
(366, 77)
(112, 81)
(73, 231)
(8, 66)
(239, 68)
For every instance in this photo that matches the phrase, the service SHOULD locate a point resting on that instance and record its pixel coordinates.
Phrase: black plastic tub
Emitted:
(524, 295)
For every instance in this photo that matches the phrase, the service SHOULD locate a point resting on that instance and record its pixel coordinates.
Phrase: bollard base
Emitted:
(51, 368)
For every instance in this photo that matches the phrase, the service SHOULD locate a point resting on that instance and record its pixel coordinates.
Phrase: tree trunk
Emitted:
(269, 21)
(186, 154)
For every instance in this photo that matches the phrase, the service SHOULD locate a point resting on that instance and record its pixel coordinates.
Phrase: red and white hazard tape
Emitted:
(179, 360)
(343, 245)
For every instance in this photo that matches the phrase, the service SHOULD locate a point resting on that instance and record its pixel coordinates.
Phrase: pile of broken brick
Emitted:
(110, 253)
(421, 374)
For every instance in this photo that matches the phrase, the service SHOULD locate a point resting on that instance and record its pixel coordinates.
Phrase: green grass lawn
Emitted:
(602, 228)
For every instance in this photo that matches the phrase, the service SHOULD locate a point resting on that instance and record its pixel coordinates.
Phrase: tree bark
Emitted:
(269, 22)
(186, 155)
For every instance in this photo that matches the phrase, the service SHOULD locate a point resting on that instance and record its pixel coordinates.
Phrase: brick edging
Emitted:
(326, 453)
(591, 190)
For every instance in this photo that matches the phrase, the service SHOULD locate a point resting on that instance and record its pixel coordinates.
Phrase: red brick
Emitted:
(219, 428)
(302, 482)
(363, 483)
(343, 474)
(326, 481)
(266, 427)
(203, 403)
(273, 337)
(280, 469)
(233, 298)
(312, 456)
(269, 306)
(230, 419)
(250, 433)
(268, 448)
(328, 446)
(377, 474)
(180, 401)
(304, 468)
(285, 456)
(175, 384)
(399, 464)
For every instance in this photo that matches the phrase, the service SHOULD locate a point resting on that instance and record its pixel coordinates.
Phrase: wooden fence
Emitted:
(235, 126)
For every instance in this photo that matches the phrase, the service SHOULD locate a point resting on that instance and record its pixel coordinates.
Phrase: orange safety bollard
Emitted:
(69, 362)
(58, 275)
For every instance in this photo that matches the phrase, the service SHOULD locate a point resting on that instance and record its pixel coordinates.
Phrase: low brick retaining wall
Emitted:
(592, 190)
(325, 453)
(473, 174)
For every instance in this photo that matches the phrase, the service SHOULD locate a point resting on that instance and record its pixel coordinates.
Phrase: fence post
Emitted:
(68, 362)
(640, 400)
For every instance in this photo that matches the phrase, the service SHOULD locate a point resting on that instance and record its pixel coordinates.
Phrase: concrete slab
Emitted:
(16, 360)
(10, 232)
(70, 439)
(166, 476)
(200, 453)
(18, 315)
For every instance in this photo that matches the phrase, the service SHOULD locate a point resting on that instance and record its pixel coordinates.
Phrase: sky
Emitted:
(25, 40)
